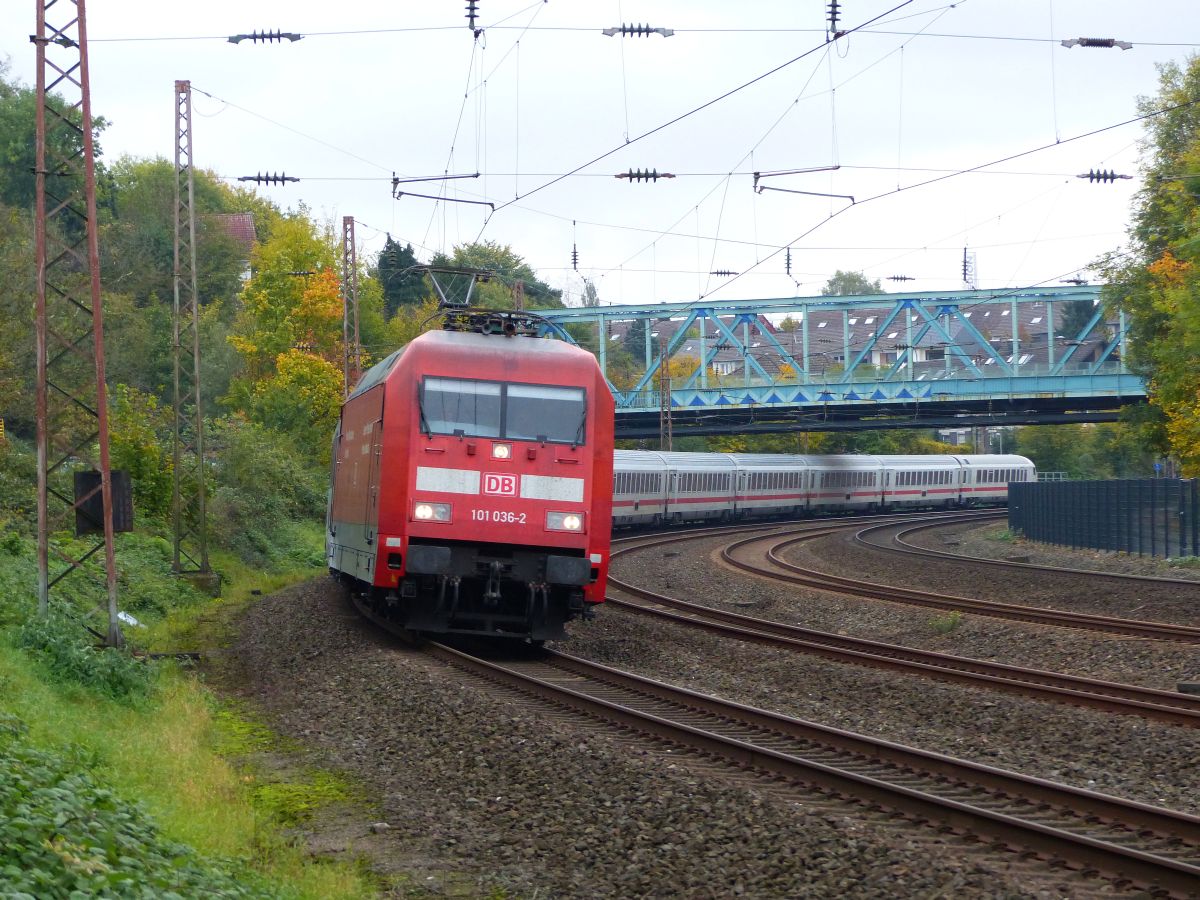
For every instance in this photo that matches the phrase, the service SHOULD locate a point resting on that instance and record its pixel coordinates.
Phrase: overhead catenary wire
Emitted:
(724, 181)
(624, 82)
(900, 115)
(289, 128)
(1053, 74)
(1018, 155)
(599, 29)
(482, 173)
(787, 110)
(477, 46)
(681, 117)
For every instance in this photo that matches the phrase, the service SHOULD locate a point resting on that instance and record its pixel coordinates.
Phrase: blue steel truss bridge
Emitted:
(934, 359)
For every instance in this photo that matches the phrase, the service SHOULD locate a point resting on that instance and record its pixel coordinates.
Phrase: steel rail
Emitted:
(902, 546)
(1114, 697)
(794, 574)
(1126, 699)
(682, 533)
(1087, 829)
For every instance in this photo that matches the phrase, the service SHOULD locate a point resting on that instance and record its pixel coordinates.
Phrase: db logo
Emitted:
(499, 484)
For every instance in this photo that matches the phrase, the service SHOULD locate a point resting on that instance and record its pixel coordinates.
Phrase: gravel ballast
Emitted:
(476, 783)
(1122, 755)
(481, 790)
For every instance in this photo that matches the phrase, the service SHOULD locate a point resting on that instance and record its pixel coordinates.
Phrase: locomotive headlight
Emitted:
(432, 512)
(564, 521)
(501, 451)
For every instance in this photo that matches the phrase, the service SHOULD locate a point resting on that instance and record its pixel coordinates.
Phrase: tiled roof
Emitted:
(239, 226)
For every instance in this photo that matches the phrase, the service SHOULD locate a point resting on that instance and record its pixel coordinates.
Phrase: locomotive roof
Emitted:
(547, 352)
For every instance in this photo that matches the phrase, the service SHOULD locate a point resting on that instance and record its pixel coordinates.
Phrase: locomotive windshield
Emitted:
(454, 404)
(522, 412)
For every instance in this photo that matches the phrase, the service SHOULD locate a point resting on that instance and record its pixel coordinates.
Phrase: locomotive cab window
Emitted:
(455, 404)
(490, 409)
(544, 412)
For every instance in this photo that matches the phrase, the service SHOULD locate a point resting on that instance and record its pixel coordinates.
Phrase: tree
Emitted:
(140, 432)
(843, 284)
(789, 325)
(1075, 315)
(18, 126)
(138, 242)
(634, 341)
(591, 296)
(410, 322)
(400, 285)
(1158, 283)
(624, 370)
(1054, 448)
(283, 305)
(16, 312)
(303, 399)
(508, 268)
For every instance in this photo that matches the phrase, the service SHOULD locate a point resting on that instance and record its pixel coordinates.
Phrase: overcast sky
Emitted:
(927, 90)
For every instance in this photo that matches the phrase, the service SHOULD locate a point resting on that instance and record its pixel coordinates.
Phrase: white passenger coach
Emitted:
(651, 487)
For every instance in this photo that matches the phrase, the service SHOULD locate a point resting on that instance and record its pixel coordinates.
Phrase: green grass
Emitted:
(63, 832)
(211, 624)
(293, 802)
(947, 623)
(113, 728)
(166, 755)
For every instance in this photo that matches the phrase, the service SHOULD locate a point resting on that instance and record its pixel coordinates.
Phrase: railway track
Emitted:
(783, 570)
(1165, 706)
(896, 543)
(1131, 843)
(1113, 697)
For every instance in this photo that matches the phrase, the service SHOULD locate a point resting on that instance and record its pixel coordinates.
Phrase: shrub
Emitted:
(65, 654)
(64, 834)
(146, 585)
(140, 435)
(261, 485)
(18, 578)
(18, 485)
(946, 623)
(1184, 562)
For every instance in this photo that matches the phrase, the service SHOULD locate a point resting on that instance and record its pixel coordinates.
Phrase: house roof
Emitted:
(239, 226)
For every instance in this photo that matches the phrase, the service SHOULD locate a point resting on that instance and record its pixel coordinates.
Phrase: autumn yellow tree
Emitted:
(1157, 282)
(302, 398)
(1175, 382)
(292, 300)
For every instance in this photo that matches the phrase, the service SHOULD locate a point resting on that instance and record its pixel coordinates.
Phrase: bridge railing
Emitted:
(833, 386)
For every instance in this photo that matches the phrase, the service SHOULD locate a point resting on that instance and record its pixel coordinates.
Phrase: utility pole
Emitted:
(188, 494)
(664, 396)
(72, 403)
(351, 358)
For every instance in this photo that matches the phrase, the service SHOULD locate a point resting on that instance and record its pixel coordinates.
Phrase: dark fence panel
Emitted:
(1155, 516)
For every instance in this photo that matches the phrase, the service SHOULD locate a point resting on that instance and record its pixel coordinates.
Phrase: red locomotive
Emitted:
(472, 482)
